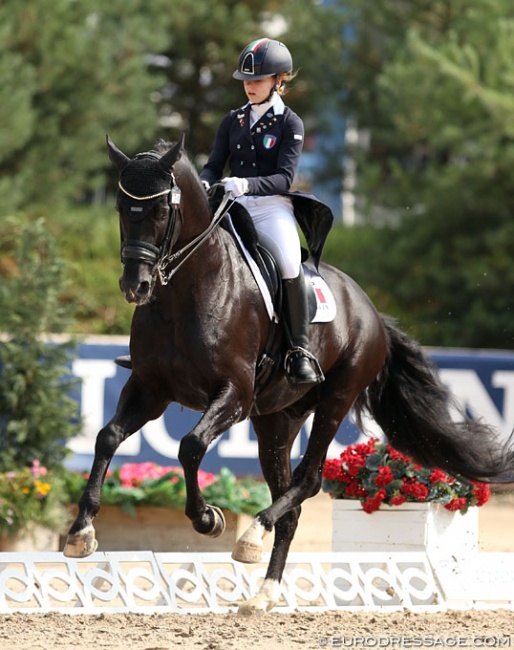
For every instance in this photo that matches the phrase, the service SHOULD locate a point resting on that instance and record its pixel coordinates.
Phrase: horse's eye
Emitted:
(163, 212)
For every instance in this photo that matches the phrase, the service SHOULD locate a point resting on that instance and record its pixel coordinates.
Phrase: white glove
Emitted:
(238, 186)
(206, 185)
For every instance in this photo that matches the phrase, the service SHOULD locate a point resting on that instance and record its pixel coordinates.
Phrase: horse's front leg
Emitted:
(135, 407)
(224, 411)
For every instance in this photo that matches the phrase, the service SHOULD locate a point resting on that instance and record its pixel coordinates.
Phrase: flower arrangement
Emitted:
(148, 484)
(377, 474)
(31, 497)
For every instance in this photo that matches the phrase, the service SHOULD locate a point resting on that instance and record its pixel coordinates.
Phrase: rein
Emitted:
(161, 258)
(193, 245)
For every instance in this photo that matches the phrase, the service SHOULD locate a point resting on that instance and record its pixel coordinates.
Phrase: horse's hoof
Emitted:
(247, 552)
(263, 602)
(248, 548)
(249, 609)
(219, 522)
(81, 544)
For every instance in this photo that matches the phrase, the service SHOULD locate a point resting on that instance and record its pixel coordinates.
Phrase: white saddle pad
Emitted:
(325, 302)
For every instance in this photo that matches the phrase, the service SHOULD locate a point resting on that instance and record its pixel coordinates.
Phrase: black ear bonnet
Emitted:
(143, 183)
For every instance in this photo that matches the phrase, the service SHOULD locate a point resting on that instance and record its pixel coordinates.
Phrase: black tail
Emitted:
(414, 409)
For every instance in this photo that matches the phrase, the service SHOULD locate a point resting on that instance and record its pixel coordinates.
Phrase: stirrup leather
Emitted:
(298, 351)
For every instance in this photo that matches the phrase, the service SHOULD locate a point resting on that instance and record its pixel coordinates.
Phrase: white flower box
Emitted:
(424, 527)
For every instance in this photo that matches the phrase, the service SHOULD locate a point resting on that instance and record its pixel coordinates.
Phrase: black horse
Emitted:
(198, 338)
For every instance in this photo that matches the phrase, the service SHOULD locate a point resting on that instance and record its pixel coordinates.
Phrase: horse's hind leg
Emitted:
(135, 407)
(276, 434)
(305, 483)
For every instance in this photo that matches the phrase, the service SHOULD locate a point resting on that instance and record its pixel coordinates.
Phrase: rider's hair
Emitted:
(285, 79)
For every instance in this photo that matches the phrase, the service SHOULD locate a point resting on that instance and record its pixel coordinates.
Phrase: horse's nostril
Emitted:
(143, 289)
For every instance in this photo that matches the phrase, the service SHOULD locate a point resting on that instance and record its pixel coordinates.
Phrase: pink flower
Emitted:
(37, 469)
(205, 479)
(133, 474)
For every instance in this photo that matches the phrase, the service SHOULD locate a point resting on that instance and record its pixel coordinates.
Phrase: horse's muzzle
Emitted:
(136, 288)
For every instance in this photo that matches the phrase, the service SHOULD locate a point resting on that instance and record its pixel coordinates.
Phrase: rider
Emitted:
(262, 143)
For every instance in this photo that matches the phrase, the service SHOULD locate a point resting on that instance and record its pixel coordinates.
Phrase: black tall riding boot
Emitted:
(300, 365)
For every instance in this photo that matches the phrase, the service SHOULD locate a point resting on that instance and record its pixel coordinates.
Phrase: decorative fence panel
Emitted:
(145, 582)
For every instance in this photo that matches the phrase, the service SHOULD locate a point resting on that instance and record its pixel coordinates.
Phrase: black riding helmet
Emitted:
(263, 58)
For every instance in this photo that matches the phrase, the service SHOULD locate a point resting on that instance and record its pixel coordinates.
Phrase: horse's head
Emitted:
(144, 204)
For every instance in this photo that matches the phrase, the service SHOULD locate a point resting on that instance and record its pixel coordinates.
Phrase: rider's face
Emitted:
(258, 91)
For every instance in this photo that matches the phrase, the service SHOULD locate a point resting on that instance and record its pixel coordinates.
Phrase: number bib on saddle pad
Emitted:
(325, 302)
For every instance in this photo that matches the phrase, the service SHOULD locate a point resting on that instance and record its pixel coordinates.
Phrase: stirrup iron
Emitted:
(296, 352)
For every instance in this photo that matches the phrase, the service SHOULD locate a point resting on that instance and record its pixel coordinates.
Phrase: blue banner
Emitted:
(482, 381)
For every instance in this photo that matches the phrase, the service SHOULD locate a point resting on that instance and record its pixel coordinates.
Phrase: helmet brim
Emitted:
(241, 76)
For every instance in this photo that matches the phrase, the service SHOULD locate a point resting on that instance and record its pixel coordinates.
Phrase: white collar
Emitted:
(276, 103)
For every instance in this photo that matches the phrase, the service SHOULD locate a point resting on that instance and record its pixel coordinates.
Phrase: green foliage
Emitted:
(242, 496)
(89, 240)
(429, 84)
(138, 70)
(148, 484)
(37, 413)
(432, 85)
(205, 40)
(32, 497)
(68, 77)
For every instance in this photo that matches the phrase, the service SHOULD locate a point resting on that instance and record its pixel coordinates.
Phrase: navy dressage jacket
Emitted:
(267, 155)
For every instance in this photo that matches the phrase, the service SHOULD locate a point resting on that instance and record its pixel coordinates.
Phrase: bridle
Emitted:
(160, 258)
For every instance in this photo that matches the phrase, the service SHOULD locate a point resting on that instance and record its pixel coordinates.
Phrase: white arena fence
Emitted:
(196, 583)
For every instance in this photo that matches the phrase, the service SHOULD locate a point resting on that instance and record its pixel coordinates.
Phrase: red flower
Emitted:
(481, 492)
(373, 503)
(456, 504)
(355, 490)
(385, 476)
(360, 479)
(417, 491)
(332, 469)
(354, 463)
(438, 476)
(396, 455)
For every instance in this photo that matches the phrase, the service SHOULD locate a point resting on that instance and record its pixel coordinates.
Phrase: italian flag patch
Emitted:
(269, 141)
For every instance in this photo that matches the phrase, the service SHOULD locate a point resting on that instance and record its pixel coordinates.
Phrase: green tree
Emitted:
(69, 72)
(432, 83)
(72, 71)
(37, 412)
(205, 40)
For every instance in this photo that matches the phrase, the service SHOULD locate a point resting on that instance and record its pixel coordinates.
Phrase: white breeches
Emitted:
(274, 221)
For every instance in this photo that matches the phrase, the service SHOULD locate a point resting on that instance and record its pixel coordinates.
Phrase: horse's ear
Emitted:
(170, 157)
(117, 156)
